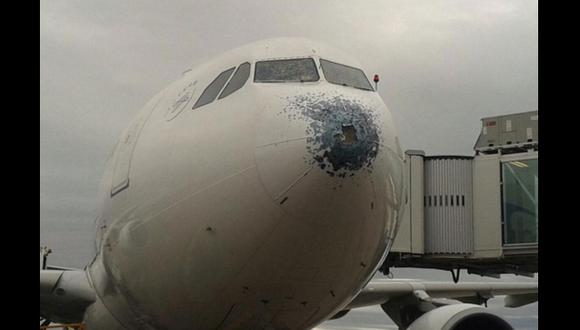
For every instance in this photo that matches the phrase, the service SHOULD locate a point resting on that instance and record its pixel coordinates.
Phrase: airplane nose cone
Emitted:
(319, 157)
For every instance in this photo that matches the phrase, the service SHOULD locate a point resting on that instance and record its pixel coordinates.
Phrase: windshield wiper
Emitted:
(364, 89)
(283, 81)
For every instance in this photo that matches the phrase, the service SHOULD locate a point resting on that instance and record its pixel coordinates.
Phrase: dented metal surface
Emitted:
(343, 136)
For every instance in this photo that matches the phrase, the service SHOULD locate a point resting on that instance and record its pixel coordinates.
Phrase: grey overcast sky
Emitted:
(443, 66)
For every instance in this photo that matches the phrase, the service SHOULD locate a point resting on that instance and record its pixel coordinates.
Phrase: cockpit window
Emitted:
(292, 70)
(238, 80)
(213, 89)
(345, 75)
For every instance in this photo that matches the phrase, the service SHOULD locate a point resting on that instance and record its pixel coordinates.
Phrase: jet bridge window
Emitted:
(345, 75)
(238, 80)
(520, 201)
(281, 71)
(213, 89)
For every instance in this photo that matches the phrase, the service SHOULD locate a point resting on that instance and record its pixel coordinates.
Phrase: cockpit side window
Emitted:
(282, 71)
(238, 80)
(213, 89)
(345, 75)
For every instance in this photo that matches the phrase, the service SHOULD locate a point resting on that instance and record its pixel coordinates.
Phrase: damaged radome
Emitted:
(342, 135)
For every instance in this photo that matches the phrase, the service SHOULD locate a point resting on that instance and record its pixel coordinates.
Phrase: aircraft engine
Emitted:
(459, 317)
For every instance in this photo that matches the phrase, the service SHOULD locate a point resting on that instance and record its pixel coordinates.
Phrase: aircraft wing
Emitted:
(441, 305)
(381, 291)
(64, 295)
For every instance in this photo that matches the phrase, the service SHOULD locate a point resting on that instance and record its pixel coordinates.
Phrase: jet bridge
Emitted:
(478, 213)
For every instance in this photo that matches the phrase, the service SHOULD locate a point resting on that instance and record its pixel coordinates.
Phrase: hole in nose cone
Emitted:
(352, 147)
(343, 133)
(349, 134)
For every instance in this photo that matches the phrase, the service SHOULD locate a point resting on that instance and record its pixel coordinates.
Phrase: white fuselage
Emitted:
(267, 209)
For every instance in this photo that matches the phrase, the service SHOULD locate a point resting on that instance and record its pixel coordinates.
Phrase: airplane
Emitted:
(261, 190)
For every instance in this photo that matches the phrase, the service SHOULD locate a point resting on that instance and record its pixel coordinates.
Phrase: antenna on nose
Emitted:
(376, 80)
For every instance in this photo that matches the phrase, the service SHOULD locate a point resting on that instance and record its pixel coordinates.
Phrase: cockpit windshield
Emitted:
(345, 75)
(281, 71)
